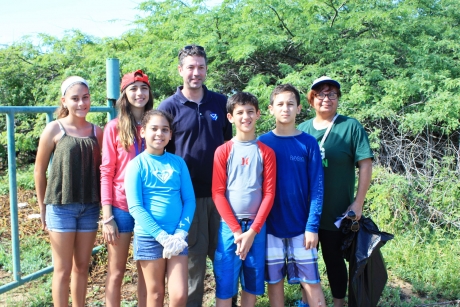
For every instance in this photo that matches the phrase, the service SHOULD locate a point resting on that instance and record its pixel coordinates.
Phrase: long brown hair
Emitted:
(126, 125)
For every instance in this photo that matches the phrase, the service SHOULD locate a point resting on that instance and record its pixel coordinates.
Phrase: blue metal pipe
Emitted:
(13, 195)
(48, 110)
(35, 275)
(112, 67)
(113, 89)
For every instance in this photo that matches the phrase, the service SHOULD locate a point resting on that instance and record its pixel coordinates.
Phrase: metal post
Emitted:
(113, 90)
(113, 84)
(13, 195)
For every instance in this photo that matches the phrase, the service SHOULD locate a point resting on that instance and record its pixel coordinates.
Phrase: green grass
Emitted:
(425, 252)
(35, 255)
(24, 179)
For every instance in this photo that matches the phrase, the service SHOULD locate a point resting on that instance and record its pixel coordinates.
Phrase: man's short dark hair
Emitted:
(285, 88)
(242, 98)
(191, 50)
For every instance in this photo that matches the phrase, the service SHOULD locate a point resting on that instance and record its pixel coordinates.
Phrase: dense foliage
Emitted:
(397, 61)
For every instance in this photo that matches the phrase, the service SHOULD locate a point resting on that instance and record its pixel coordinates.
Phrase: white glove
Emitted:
(165, 240)
(169, 248)
(177, 246)
(181, 234)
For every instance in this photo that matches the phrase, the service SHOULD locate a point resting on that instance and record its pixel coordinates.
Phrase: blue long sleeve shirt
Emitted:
(160, 194)
(299, 185)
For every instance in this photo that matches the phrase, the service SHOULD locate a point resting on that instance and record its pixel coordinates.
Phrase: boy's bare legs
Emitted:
(223, 303)
(315, 294)
(247, 299)
(338, 302)
(276, 294)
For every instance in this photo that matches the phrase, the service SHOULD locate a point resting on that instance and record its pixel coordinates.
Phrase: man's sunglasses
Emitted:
(354, 225)
(190, 47)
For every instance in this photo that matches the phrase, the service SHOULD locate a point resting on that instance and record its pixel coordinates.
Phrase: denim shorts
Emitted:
(72, 217)
(124, 220)
(147, 248)
(228, 267)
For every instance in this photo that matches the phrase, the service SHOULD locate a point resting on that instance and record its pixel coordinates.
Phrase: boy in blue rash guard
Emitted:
(161, 200)
(293, 222)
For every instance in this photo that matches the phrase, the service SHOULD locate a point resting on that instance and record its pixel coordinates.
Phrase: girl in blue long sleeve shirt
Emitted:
(161, 200)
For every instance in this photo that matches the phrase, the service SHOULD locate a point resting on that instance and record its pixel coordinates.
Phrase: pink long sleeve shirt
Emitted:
(114, 161)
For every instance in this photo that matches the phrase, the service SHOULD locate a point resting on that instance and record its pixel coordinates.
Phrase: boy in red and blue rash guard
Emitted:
(243, 189)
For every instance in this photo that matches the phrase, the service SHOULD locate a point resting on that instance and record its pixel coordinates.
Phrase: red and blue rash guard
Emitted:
(299, 185)
(243, 182)
(159, 193)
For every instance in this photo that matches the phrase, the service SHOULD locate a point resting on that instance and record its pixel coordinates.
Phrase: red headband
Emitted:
(132, 77)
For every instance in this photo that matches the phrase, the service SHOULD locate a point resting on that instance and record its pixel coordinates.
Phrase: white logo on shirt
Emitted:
(297, 158)
(164, 175)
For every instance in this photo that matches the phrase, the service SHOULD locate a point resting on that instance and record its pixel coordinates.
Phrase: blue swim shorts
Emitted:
(228, 267)
(289, 257)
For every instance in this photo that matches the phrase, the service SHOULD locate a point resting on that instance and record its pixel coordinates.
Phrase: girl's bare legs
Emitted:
(154, 275)
(118, 255)
(82, 247)
(62, 249)
(177, 273)
(141, 290)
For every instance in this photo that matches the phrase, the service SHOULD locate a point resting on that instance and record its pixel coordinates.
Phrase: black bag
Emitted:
(367, 270)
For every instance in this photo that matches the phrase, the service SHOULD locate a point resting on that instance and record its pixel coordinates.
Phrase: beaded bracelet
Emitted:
(107, 220)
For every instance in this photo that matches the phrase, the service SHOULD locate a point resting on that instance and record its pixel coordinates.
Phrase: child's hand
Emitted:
(236, 235)
(110, 231)
(244, 241)
(311, 240)
(174, 247)
(43, 220)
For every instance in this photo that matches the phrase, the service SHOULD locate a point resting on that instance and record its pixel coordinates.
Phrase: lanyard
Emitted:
(327, 131)
(136, 146)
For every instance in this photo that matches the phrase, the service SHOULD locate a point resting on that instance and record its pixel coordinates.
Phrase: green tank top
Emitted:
(75, 174)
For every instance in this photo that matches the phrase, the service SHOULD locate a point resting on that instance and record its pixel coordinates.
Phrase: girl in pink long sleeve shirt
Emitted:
(122, 142)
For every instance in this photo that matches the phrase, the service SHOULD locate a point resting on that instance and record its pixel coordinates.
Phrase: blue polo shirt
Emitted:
(198, 129)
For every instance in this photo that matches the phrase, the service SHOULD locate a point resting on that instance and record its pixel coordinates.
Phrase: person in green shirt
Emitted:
(344, 146)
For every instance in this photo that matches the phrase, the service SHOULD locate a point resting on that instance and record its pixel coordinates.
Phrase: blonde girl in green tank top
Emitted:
(72, 188)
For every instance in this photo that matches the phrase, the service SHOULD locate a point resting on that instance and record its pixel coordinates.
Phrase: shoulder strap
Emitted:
(61, 127)
(327, 131)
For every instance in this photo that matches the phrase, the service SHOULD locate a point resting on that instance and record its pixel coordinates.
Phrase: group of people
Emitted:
(178, 179)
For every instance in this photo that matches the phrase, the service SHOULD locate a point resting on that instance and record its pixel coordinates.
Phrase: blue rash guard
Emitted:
(299, 185)
(160, 194)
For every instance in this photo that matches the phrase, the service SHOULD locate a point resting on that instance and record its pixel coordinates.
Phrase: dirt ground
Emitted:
(98, 272)
(96, 285)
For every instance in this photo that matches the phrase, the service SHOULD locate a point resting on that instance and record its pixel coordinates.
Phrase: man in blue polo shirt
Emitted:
(200, 126)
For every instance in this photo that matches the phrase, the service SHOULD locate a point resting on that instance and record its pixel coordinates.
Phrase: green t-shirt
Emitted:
(346, 144)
